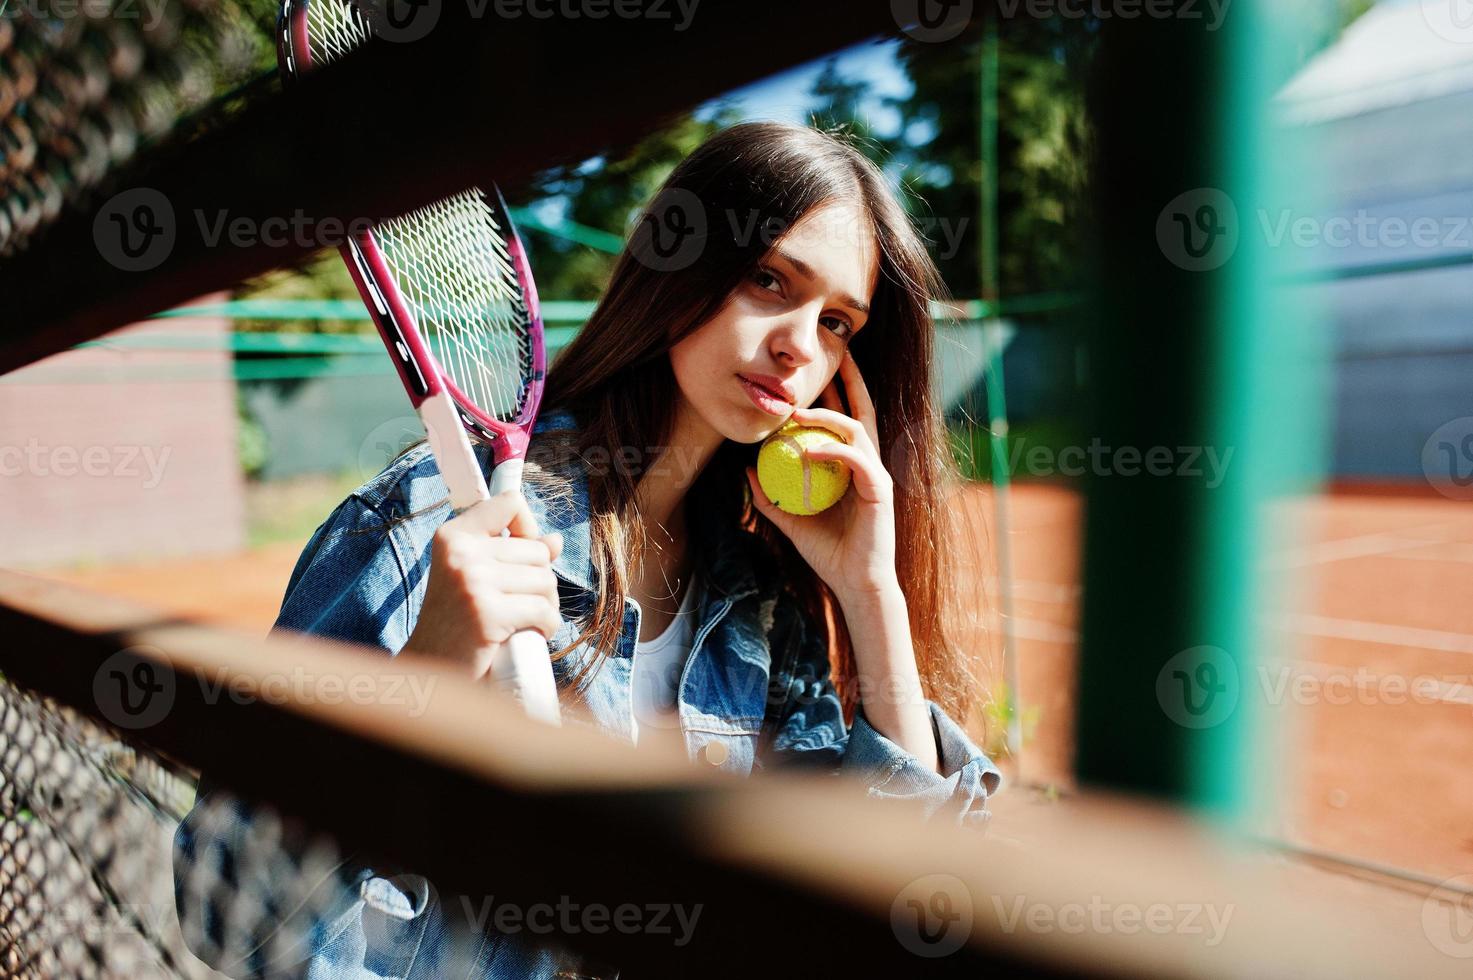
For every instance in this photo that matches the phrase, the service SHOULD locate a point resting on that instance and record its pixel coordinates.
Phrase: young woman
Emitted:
(774, 277)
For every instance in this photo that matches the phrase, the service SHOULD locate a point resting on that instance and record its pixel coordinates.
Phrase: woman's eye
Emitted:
(846, 327)
(766, 280)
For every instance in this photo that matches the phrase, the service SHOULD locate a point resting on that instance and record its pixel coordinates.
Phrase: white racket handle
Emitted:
(453, 453)
(521, 666)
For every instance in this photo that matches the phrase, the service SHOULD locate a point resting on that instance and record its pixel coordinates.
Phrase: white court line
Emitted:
(1454, 551)
(1363, 546)
(1443, 692)
(1037, 629)
(1397, 636)
(1304, 623)
(1036, 591)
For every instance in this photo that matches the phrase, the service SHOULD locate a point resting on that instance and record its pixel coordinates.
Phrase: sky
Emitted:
(784, 97)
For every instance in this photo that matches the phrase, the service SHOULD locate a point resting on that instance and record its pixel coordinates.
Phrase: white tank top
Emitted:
(658, 664)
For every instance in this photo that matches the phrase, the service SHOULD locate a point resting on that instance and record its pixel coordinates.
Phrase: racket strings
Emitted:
(451, 263)
(334, 28)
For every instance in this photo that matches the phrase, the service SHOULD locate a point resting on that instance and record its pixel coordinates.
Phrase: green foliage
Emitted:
(324, 276)
(972, 446)
(1044, 145)
(1000, 712)
(251, 443)
(1042, 148)
(607, 193)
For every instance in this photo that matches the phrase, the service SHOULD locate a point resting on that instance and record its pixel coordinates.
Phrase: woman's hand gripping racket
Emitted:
(449, 287)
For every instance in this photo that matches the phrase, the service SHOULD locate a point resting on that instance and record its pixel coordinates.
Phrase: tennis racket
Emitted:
(452, 295)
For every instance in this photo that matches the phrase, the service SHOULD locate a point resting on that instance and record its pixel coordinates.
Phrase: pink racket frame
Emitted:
(418, 368)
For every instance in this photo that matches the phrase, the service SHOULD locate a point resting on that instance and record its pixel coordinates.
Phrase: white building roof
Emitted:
(1396, 54)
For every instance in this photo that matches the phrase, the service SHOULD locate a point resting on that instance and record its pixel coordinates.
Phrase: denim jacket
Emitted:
(755, 693)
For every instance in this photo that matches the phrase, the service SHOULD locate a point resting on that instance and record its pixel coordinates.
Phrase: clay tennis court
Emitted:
(1378, 581)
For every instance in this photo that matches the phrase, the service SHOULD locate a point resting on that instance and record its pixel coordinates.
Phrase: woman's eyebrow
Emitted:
(806, 271)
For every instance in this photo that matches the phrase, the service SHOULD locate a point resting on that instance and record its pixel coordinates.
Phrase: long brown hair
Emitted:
(731, 195)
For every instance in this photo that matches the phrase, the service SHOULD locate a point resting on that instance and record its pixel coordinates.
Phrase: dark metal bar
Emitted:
(1151, 343)
(395, 125)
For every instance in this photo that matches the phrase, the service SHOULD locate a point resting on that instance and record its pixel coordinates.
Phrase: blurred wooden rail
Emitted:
(797, 877)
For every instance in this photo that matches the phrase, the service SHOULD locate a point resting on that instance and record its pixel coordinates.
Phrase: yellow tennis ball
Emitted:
(792, 481)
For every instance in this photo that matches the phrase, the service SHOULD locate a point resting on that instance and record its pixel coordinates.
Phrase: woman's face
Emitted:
(786, 327)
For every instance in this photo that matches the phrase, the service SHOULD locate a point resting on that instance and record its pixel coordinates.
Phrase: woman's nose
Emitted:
(797, 340)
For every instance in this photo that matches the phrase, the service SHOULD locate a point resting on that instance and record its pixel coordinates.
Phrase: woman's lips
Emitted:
(764, 399)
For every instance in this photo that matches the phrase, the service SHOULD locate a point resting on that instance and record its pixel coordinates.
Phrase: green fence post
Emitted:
(1192, 350)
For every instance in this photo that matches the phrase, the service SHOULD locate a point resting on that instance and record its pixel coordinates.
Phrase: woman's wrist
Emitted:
(884, 658)
(862, 597)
